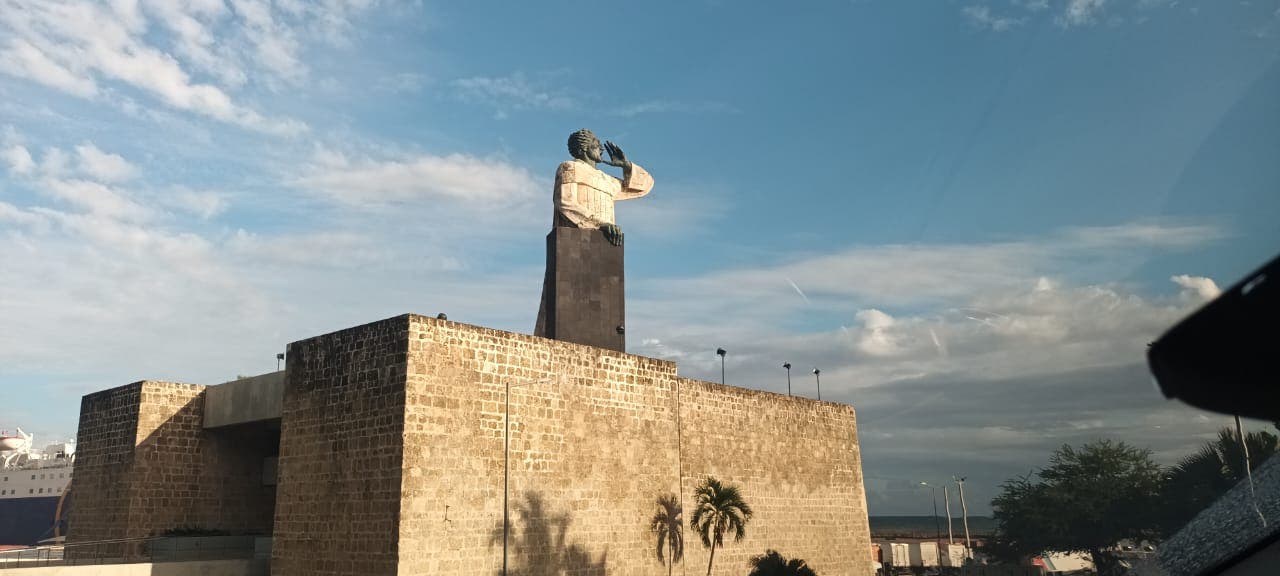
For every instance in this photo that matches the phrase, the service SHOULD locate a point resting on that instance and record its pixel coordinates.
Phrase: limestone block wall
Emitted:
(187, 477)
(145, 465)
(338, 498)
(798, 463)
(104, 456)
(593, 444)
(596, 437)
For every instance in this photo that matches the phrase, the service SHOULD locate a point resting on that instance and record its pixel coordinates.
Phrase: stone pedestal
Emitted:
(583, 298)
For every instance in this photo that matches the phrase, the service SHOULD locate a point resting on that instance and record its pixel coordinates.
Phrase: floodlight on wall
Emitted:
(720, 352)
(279, 359)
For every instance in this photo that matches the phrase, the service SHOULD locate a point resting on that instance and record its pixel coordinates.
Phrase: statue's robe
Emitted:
(584, 194)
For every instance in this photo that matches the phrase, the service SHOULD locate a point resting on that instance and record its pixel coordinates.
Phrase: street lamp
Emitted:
(720, 352)
(818, 380)
(279, 359)
(506, 463)
(964, 513)
(787, 365)
(937, 527)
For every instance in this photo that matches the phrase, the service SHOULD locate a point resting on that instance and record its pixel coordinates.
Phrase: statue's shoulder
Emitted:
(574, 171)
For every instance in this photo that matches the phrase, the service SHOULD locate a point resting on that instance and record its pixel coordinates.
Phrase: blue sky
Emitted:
(972, 216)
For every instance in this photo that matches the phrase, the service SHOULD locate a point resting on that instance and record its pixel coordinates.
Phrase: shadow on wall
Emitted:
(538, 543)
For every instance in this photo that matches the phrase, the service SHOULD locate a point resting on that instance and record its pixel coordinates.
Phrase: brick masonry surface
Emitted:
(341, 445)
(145, 466)
(392, 458)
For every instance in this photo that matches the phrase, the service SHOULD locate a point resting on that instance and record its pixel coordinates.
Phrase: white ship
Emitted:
(34, 486)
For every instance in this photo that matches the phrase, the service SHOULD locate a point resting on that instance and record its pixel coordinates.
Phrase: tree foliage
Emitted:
(1085, 500)
(771, 563)
(719, 508)
(1201, 478)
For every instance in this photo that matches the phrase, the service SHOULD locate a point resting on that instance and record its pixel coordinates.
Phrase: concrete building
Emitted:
(383, 449)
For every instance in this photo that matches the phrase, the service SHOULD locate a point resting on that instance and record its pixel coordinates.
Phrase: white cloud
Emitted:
(19, 159)
(982, 17)
(14, 215)
(74, 45)
(402, 83)
(336, 249)
(96, 198)
(515, 91)
(20, 58)
(102, 166)
(877, 338)
(673, 106)
(1081, 12)
(1204, 289)
(374, 183)
(201, 203)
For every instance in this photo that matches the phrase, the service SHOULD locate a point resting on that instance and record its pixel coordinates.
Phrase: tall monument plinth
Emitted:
(583, 290)
(583, 293)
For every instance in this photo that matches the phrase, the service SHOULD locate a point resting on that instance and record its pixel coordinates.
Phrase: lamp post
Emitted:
(279, 359)
(964, 513)
(818, 380)
(506, 463)
(946, 501)
(720, 352)
(937, 526)
(787, 365)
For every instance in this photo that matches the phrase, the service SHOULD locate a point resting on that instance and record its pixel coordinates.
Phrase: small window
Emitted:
(33, 476)
(31, 490)
(41, 491)
(61, 475)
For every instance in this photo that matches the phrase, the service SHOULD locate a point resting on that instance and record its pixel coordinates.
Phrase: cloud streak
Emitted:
(89, 49)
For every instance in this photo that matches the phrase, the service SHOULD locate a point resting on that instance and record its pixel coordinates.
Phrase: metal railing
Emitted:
(138, 550)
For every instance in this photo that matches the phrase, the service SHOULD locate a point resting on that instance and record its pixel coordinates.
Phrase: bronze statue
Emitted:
(584, 194)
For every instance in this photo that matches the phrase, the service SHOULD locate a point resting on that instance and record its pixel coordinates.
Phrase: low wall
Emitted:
(199, 568)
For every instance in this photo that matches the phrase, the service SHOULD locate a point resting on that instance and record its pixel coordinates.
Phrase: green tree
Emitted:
(719, 508)
(666, 524)
(1201, 478)
(1086, 500)
(771, 563)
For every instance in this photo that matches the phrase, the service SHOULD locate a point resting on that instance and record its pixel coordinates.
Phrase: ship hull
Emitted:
(26, 521)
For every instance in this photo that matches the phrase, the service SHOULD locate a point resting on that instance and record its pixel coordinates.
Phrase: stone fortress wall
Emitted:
(146, 466)
(392, 458)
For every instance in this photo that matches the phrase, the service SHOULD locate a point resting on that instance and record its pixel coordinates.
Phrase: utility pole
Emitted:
(946, 495)
(937, 528)
(964, 513)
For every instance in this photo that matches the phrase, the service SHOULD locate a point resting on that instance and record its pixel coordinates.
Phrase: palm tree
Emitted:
(719, 509)
(771, 563)
(666, 524)
(1199, 479)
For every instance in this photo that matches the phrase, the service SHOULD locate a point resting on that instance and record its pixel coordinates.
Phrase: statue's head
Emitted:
(584, 146)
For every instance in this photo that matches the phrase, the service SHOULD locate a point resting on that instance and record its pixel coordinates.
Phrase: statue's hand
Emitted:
(616, 156)
(612, 233)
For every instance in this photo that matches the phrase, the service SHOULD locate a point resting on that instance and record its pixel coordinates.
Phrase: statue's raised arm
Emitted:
(584, 194)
